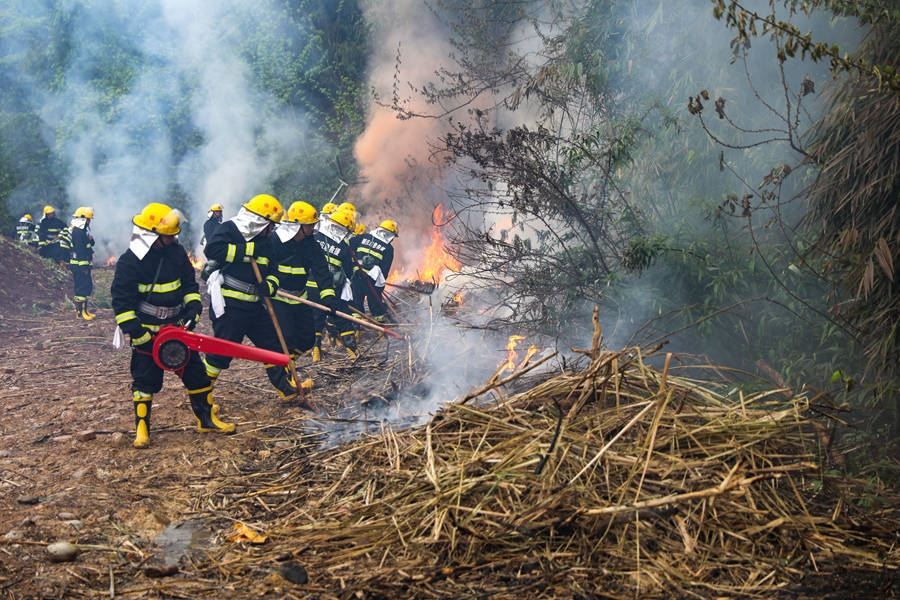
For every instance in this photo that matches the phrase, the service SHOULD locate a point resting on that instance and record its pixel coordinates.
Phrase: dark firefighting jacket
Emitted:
(147, 294)
(48, 236)
(339, 259)
(232, 253)
(299, 262)
(26, 233)
(371, 252)
(82, 247)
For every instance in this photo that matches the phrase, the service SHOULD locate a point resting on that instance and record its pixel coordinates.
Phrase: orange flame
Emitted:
(197, 263)
(110, 262)
(435, 258)
(513, 356)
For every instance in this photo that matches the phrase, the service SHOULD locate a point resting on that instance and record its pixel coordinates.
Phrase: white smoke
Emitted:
(187, 56)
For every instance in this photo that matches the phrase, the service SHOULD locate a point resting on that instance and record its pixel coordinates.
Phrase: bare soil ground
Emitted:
(68, 471)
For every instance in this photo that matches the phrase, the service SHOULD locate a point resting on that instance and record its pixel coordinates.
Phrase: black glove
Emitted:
(208, 269)
(190, 315)
(331, 302)
(367, 262)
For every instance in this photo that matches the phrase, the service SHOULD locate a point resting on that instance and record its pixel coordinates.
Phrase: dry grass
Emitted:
(615, 480)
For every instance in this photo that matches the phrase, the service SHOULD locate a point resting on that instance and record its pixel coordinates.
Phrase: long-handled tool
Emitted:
(338, 191)
(262, 287)
(344, 315)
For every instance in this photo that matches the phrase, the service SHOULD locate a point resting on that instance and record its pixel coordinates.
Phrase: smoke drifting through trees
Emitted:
(182, 64)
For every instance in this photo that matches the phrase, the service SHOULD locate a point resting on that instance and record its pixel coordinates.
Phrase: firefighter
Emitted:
(48, 236)
(213, 219)
(81, 242)
(26, 232)
(326, 211)
(154, 285)
(236, 294)
(374, 256)
(331, 235)
(300, 259)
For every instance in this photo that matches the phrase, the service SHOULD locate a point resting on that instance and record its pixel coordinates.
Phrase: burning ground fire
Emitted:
(435, 258)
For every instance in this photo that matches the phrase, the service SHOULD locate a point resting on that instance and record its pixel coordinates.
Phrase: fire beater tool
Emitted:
(172, 348)
(362, 322)
(420, 287)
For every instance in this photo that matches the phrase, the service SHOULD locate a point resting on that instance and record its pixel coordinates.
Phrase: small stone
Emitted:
(293, 572)
(5, 453)
(28, 499)
(13, 535)
(86, 436)
(67, 516)
(62, 551)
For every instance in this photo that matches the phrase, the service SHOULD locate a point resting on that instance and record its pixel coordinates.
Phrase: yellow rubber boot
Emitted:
(142, 404)
(282, 382)
(81, 310)
(206, 412)
(87, 316)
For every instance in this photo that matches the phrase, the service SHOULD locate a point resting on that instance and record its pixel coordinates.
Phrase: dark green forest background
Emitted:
(721, 178)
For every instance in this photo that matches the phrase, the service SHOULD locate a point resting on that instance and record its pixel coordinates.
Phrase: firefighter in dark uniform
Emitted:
(81, 243)
(331, 235)
(213, 220)
(48, 236)
(300, 259)
(236, 295)
(154, 285)
(26, 232)
(374, 256)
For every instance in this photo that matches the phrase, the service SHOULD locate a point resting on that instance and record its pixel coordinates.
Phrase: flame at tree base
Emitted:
(436, 261)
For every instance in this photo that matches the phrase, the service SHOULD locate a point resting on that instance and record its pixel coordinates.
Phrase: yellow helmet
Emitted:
(329, 208)
(27, 217)
(84, 211)
(265, 206)
(216, 207)
(360, 229)
(346, 206)
(49, 209)
(302, 212)
(158, 218)
(343, 217)
(390, 226)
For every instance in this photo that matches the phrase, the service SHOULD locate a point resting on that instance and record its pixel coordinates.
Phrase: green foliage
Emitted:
(794, 43)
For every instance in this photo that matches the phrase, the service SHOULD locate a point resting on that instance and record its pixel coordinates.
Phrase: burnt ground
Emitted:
(68, 471)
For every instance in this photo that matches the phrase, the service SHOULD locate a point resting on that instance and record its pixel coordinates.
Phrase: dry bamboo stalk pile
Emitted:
(617, 480)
